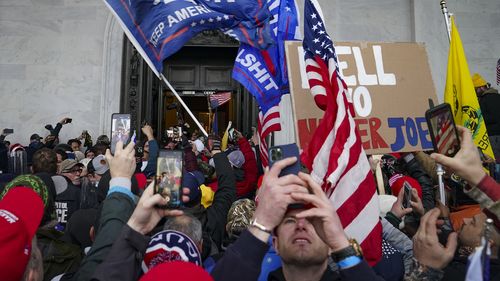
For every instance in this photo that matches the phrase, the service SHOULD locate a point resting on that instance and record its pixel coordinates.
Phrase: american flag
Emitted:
(335, 155)
(267, 123)
(498, 72)
(219, 99)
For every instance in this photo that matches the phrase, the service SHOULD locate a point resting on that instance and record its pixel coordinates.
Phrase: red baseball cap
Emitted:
(21, 211)
(397, 181)
(177, 271)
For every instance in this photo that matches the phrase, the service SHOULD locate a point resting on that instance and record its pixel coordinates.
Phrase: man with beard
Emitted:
(303, 238)
(67, 185)
(469, 238)
(306, 231)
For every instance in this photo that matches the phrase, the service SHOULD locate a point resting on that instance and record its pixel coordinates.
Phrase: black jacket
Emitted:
(328, 275)
(457, 269)
(116, 211)
(123, 262)
(416, 171)
(67, 202)
(214, 218)
(242, 262)
(489, 102)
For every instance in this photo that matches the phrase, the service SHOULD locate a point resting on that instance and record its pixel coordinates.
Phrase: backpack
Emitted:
(58, 256)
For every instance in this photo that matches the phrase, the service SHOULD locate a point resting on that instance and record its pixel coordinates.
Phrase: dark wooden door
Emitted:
(201, 67)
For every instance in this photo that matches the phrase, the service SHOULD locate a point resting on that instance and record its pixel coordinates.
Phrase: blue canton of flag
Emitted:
(159, 28)
(319, 46)
(263, 72)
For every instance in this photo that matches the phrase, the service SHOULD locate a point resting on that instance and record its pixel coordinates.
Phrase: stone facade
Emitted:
(63, 57)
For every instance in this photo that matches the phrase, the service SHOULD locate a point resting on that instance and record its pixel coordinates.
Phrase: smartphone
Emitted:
(406, 195)
(231, 134)
(69, 120)
(168, 177)
(139, 151)
(120, 129)
(443, 131)
(277, 153)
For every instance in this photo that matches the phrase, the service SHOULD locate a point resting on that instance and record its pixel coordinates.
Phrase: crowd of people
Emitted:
(81, 213)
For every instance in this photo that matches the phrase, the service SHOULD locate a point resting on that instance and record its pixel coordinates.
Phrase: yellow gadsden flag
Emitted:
(461, 95)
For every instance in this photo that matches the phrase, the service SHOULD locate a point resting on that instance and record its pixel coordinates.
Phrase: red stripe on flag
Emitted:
(335, 155)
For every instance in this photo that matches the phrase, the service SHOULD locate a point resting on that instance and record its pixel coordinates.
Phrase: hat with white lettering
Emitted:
(169, 246)
(21, 211)
(37, 185)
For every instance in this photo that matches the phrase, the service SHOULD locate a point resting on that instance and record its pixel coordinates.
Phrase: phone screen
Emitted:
(169, 177)
(407, 195)
(120, 130)
(443, 131)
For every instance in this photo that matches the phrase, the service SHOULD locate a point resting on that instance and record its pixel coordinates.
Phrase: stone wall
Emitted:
(63, 57)
(53, 60)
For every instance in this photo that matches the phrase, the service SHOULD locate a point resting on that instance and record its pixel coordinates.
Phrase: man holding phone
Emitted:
(304, 238)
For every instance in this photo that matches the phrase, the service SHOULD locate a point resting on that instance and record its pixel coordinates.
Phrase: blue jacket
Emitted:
(154, 149)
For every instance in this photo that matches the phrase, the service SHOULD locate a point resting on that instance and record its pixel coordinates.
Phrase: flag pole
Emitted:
(439, 168)
(209, 113)
(446, 15)
(162, 78)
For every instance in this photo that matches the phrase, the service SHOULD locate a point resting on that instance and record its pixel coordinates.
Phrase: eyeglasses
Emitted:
(77, 171)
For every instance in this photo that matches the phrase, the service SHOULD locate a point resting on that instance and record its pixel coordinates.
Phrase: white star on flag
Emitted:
(313, 16)
(202, 21)
(226, 17)
(210, 19)
(193, 24)
(288, 9)
(219, 18)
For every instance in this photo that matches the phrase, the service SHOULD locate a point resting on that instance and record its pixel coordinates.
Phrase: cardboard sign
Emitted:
(389, 84)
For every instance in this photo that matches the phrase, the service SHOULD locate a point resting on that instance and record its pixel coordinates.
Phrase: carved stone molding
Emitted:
(111, 73)
(212, 38)
(133, 106)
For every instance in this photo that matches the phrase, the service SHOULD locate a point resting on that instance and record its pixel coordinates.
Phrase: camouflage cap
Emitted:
(239, 216)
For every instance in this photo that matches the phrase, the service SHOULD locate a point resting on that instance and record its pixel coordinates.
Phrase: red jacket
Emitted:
(249, 182)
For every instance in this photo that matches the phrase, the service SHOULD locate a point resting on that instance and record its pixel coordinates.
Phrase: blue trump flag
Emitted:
(159, 28)
(263, 72)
